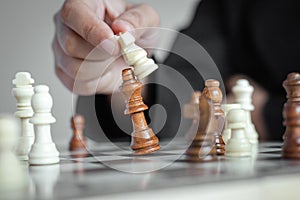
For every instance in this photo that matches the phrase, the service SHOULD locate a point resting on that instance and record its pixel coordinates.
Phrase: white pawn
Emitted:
(243, 95)
(226, 134)
(238, 145)
(136, 56)
(23, 92)
(43, 150)
(12, 176)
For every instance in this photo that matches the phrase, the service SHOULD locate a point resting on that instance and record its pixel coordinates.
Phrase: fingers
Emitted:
(114, 8)
(86, 18)
(138, 16)
(75, 46)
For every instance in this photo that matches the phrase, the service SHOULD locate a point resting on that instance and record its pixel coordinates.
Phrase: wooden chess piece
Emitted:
(291, 115)
(143, 140)
(78, 141)
(203, 146)
(212, 92)
(191, 111)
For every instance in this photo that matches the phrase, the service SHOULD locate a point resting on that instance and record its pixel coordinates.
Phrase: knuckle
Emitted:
(66, 10)
(69, 46)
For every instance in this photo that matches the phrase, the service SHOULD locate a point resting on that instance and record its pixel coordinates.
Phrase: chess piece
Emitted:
(12, 176)
(243, 92)
(136, 56)
(143, 140)
(43, 150)
(23, 92)
(78, 141)
(213, 93)
(226, 134)
(291, 115)
(238, 144)
(191, 111)
(203, 146)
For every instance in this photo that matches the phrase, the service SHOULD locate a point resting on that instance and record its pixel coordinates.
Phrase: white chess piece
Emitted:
(243, 95)
(226, 134)
(12, 176)
(43, 150)
(238, 145)
(23, 92)
(136, 56)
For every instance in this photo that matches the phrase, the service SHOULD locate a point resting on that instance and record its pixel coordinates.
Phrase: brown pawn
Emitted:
(291, 115)
(213, 92)
(78, 141)
(203, 147)
(143, 140)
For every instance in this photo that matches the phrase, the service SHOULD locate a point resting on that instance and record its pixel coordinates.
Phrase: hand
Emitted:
(88, 26)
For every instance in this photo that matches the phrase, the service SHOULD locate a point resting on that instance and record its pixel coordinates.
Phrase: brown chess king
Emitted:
(143, 140)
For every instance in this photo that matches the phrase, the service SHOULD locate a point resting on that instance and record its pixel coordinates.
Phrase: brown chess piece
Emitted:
(78, 141)
(291, 115)
(213, 92)
(203, 147)
(143, 140)
(191, 111)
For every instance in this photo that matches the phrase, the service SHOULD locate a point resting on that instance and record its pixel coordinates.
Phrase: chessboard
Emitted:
(111, 171)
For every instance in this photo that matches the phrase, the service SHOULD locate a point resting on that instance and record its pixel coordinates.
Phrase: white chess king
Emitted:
(23, 92)
(43, 150)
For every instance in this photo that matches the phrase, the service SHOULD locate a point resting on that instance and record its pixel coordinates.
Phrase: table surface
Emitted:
(111, 171)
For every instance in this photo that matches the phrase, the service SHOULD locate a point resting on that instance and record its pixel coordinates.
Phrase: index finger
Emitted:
(85, 21)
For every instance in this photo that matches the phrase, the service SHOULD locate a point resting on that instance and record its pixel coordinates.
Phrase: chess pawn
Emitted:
(203, 146)
(212, 92)
(78, 141)
(136, 56)
(23, 92)
(43, 150)
(238, 145)
(226, 134)
(291, 115)
(243, 95)
(143, 140)
(12, 176)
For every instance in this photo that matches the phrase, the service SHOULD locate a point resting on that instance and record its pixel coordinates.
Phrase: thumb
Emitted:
(139, 16)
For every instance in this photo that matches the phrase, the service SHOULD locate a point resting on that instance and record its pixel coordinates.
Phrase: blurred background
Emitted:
(27, 30)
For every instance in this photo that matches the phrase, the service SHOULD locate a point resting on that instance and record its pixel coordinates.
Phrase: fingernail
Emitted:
(126, 26)
(108, 45)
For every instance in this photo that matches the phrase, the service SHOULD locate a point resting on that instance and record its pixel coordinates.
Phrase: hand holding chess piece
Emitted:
(143, 139)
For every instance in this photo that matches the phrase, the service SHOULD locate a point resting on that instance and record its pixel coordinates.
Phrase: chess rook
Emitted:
(43, 150)
(23, 92)
(238, 144)
(226, 134)
(214, 93)
(291, 115)
(78, 141)
(203, 146)
(243, 95)
(136, 56)
(143, 139)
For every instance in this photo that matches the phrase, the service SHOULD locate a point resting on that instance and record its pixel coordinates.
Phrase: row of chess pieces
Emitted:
(222, 129)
